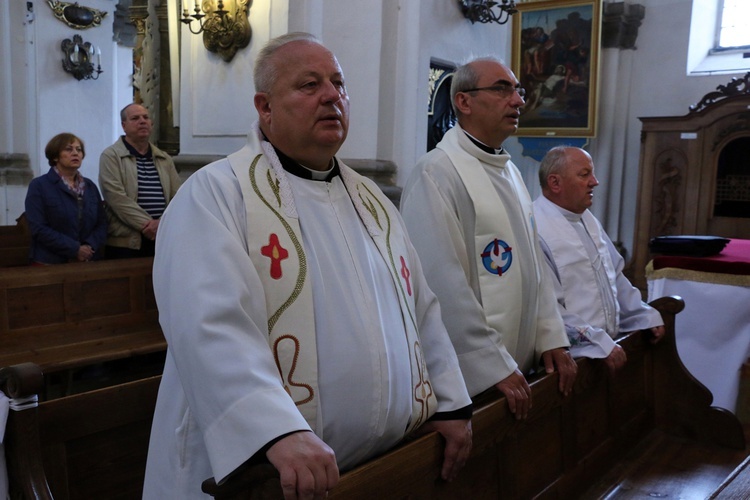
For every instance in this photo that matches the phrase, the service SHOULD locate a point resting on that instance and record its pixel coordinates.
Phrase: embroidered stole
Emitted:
(500, 281)
(273, 236)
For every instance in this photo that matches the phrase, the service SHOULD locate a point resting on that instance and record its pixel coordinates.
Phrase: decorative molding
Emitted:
(15, 169)
(740, 124)
(169, 133)
(736, 87)
(124, 31)
(620, 23)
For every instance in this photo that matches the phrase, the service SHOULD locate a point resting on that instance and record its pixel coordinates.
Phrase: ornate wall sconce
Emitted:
(76, 16)
(224, 32)
(79, 57)
(483, 10)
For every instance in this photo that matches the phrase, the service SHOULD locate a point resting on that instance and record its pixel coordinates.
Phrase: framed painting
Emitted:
(555, 57)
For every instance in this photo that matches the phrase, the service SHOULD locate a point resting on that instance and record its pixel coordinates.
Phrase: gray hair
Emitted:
(265, 71)
(465, 77)
(553, 163)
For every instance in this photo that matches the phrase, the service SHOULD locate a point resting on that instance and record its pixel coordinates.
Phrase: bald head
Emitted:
(485, 96)
(566, 175)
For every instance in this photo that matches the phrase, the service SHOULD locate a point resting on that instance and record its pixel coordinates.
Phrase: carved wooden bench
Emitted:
(72, 315)
(81, 446)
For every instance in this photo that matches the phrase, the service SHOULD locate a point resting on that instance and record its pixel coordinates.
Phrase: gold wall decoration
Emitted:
(76, 16)
(224, 31)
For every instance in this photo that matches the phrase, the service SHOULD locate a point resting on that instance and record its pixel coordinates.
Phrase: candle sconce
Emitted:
(79, 59)
(224, 31)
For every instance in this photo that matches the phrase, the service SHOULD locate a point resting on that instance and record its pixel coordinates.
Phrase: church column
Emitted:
(169, 134)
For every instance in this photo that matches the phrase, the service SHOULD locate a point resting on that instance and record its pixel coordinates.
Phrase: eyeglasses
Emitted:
(504, 89)
(70, 149)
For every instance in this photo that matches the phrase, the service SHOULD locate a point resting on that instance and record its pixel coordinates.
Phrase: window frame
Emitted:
(717, 47)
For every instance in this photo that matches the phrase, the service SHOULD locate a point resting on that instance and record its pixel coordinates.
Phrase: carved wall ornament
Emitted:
(76, 16)
(737, 87)
(740, 124)
(666, 197)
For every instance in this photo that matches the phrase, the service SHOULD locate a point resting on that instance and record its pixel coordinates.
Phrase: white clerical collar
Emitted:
(318, 175)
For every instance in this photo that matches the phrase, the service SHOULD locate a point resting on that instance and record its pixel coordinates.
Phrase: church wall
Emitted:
(44, 100)
(658, 87)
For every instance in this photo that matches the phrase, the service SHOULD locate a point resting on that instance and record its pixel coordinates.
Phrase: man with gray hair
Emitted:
(470, 217)
(300, 328)
(595, 299)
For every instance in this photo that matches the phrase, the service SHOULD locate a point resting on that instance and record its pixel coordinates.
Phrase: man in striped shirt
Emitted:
(137, 180)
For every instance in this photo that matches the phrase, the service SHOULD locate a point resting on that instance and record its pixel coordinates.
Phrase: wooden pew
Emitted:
(14, 244)
(85, 445)
(560, 451)
(72, 315)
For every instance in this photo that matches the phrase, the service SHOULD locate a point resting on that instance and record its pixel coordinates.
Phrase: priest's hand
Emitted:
(658, 333)
(559, 359)
(517, 392)
(306, 465)
(616, 359)
(457, 434)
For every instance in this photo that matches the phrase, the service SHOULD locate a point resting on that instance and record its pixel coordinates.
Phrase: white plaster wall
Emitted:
(659, 87)
(354, 34)
(87, 108)
(45, 100)
(446, 35)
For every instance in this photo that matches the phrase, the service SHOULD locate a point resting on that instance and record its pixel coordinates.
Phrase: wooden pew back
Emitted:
(14, 243)
(71, 315)
(560, 451)
(87, 445)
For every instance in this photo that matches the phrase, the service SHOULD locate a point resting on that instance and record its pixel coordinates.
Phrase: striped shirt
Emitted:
(150, 191)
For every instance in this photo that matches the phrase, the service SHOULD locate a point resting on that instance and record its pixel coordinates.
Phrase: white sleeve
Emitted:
(212, 311)
(634, 313)
(585, 340)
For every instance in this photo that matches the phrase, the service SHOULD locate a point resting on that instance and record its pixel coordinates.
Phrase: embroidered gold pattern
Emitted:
(367, 203)
(274, 185)
(371, 208)
(423, 389)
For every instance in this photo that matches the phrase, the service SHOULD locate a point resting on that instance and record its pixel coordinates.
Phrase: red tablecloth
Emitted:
(734, 259)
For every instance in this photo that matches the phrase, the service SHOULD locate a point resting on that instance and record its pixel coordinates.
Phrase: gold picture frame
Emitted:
(556, 58)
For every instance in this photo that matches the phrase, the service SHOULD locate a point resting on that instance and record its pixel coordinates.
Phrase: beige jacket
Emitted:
(118, 180)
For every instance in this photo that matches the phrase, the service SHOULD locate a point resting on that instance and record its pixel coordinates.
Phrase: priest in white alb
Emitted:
(300, 327)
(470, 217)
(596, 300)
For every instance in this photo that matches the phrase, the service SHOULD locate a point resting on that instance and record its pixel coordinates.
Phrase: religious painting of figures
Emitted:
(555, 56)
